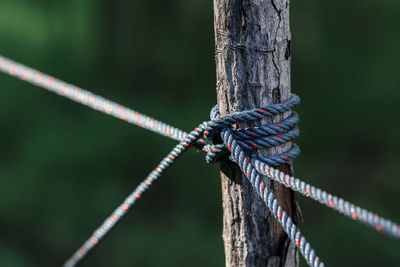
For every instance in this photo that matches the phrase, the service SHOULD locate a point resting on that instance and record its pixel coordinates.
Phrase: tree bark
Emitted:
(252, 54)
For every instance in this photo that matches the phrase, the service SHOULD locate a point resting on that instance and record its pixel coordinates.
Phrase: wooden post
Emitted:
(252, 54)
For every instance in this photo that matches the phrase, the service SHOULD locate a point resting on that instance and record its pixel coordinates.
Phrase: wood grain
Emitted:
(252, 54)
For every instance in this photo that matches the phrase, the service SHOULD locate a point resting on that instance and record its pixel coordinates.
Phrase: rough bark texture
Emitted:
(253, 70)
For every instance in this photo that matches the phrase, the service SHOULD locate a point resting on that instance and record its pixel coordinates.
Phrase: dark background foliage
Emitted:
(64, 167)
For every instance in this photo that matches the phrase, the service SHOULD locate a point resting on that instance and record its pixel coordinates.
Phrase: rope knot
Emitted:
(257, 137)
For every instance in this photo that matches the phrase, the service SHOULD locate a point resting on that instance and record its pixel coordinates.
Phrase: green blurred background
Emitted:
(64, 167)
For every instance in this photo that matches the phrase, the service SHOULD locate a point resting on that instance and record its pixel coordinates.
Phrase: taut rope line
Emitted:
(235, 142)
(89, 99)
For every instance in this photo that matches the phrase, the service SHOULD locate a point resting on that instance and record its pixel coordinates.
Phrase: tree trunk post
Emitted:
(252, 53)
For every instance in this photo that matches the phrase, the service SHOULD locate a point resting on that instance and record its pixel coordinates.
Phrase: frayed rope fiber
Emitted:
(235, 142)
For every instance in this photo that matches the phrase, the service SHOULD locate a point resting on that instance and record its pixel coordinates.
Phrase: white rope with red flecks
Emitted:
(234, 141)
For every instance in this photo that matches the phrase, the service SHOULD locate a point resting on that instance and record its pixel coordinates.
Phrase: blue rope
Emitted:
(264, 136)
(223, 125)
(235, 145)
(222, 139)
(267, 136)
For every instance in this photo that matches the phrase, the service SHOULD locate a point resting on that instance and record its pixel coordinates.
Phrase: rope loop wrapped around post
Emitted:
(257, 137)
(221, 139)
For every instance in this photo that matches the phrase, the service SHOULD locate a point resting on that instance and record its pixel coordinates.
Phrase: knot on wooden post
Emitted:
(257, 137)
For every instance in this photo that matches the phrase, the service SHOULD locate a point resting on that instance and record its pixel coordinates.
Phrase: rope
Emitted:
(121, 210)
(89, 99)
(223, 124)
(235, 143)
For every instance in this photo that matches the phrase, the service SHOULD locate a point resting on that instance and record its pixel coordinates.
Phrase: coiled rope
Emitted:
(235, 143)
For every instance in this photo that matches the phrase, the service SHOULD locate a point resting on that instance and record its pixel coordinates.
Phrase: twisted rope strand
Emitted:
(122, 209)
(268, 141)
(329, 200)
(268, 129)
(248, 169)
(89, 99)
(236, 148)
(269, 199)
(252, 168)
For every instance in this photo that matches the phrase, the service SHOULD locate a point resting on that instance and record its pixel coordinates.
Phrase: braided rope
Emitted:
(235, 141)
